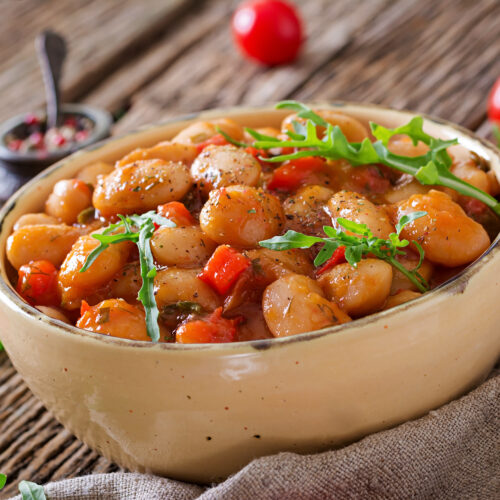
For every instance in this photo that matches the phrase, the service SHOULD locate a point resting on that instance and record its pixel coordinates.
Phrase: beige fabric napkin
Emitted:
(452, 453)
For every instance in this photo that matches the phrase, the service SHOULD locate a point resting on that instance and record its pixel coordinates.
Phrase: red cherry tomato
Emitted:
(37, 283)
(494, 103)
(269, 31)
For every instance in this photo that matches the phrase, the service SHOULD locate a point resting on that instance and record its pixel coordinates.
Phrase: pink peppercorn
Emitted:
(81, 135)
(31, 119)
(36, 138)
(59, 140)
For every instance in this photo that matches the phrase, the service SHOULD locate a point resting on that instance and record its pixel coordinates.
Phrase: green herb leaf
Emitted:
(302, 111)
(433, 168)
(183, 306)
(421, 255)
(146, 293)
(31, 491)
(407, 219)
(138, 229)
(428, 174)
(291, 239)
(353, 254)
(262, 137)
(3, 480)
(354, 227)
(1, 347)
(413, 129)
(86, 215)
(230, 139)
(326, 252)
(359, 243)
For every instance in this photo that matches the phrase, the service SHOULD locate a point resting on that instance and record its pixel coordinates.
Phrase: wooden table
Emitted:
(149, 60)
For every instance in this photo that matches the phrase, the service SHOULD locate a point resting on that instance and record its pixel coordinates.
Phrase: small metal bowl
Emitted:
(101, 119)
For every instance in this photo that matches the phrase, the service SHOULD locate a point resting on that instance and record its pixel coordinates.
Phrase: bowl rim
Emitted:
(458, 282)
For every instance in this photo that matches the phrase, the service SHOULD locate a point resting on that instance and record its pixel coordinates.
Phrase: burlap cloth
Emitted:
(451, 453)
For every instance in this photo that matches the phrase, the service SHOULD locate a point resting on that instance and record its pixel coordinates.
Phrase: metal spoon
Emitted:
(51, 49)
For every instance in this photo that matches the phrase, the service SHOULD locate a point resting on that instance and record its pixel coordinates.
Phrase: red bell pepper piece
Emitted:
(216, 140)
(338, 257)
(223, 268)
(292, 174)
(176, 212)
(213, 329)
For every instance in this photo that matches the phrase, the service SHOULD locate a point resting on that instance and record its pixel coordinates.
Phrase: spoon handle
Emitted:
(51, 49)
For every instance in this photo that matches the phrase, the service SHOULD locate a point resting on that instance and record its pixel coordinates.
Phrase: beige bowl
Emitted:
(201, 412)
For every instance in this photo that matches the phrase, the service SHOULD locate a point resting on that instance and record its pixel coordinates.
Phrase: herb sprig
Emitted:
(137, 229)
(357, 245)
(432, 169)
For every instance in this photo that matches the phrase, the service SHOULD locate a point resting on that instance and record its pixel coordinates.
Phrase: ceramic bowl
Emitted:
(201, 412)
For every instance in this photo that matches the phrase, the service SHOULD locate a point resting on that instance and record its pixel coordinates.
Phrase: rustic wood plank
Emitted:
(453, 61)
(115, 92)
(100, 37)
(357, 50)
(216, 65)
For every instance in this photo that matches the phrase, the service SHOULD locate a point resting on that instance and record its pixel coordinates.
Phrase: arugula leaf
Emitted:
(357, 245)
(433, 168)
(228, 138)
(98, 250)
(31, 491)
(148, 272)
(302, 111)
(291, 239)
(407, 219)
(138, 229)
(3, 480)
(262, 137)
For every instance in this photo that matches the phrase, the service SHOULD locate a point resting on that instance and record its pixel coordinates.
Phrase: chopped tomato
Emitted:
(291, 175)
(370, 179)
(223, 268)
(338, 257)
(216, 140)
(37, 283)
(472, 206)
(84, 307)
(213, 329)
(176, 212)
(282, 151)
(82, 186)
(256, 153)
(115, 317)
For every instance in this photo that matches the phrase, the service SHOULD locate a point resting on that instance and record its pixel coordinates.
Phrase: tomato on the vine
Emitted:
(269, 31)
(494, 103)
